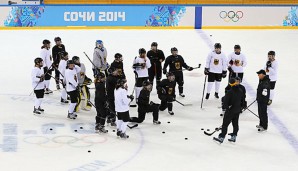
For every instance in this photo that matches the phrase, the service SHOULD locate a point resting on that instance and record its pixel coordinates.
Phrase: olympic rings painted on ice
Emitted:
(72, 141)
(231, 15)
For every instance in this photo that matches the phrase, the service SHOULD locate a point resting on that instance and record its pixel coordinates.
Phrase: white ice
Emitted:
(27, 143)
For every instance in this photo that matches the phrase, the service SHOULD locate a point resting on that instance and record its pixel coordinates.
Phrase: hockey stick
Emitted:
(199, 66)
(203, 92)
(39, 82)
(211, 133)
(253, 113)
(183, 103)
(136, 76)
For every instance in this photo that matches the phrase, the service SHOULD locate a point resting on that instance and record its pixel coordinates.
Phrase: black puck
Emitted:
(208, 129)
(216, 129)
(75, 130)
(81, 127)
(169, 122)
(51, 129)
(202, 129)
(89, 151)
(186, 138)
(163, 132)
(113, 130)
(210, 35)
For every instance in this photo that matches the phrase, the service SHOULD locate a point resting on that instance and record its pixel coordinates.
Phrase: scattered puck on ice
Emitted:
(75, 130)
(163, 132)
(169, 122)
(89, 151)
(210, 35)
(51, 129)
(216, 129)
(208, 129)
(81, 127)
(202, 129)
(186, 138)
(113, 130)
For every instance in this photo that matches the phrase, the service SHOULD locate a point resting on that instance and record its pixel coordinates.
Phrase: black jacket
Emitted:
(175, 62)
(111, 83)
(55, 52)
(143, 99)
(233, 101)
(169, 88)
(156, 56)
(100, 91)
(263, 84)
(119, 67)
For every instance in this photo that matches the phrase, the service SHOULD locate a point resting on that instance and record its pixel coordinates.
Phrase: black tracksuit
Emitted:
(56, 58)
(263, 101)
(233, 103)
(155, 69)
(176, 63)
(100, 102)
(111, 83)
(228, 87)
(119, 67)
(144, 107)
(166, 93)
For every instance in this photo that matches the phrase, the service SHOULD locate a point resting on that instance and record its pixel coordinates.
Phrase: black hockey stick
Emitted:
(211, 133)
(136, 76)
(253, 113)
(203, 92)
(183, 103)
(199, 66)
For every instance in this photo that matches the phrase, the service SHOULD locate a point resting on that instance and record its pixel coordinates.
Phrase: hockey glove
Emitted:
(206, 71)
(268, 64)
(264, 92)
(230, 70)
(164, 71)
(224, 74)
(130, 97)
(190, 68)
(231, 62)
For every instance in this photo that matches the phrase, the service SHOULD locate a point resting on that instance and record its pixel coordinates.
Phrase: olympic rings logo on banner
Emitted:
(231, 15)
(59, 141)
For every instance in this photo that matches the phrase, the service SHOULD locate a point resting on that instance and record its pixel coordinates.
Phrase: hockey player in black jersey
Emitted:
(166, 93)
(233, 103)
(176, 62)
(118, 64)
(111, 83)
(57, 53)
(100, 103)
(145, 105)
(156, 57)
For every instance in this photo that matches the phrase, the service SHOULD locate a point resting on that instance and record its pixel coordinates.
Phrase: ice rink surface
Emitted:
(52, 142)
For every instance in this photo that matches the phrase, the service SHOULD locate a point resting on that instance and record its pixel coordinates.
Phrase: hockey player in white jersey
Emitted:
(122, 101)
(99, 58)
(216, 69)
(72, 87)
(37, 76)
(45, 54)
(237, 62)
(140, 66)
(271, 69)
(62, 68)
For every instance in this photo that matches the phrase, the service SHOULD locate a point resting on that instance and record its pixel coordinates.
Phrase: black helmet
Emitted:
(237, 47)
(217, 45)
(57, 39)
(75, 59)
(46, 41)
(232, 81)
(118, 55)
(37, 60)
(64, 53)
(169, 74)
(70, 62)
(121, 82)
(142, 50)
(146, 83)
(271, 53)
(100, 75)
(174, 49)
(154, 44)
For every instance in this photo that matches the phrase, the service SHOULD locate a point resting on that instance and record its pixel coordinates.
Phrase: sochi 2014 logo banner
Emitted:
(231, 16)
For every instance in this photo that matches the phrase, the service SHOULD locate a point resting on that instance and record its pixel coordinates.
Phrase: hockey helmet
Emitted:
(217, 45)
(46, 41)
(146, 83)
(99, 43)
(237, 47)
(76, 59)
(154, 44)
(38, 60)
(121, 82)
(142, 50)
(57, 39)
(173, 49)
(271, 53)
(118, 56)
(70, 62)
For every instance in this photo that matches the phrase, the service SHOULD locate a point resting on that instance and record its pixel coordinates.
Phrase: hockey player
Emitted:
(99, 58)
(238, 81)
(145, 105)
(237, 62)
(156, 57)
(84, 81)
(45, 54)
(271, 70)
(118, 64)
(233, 103)
(72, 87)
(141, 65)
(62, 67)
(57, 52)
(176, 62)
(100, 103)
(122, 101)
(216, 69)
(111, 83)
(166, 93)
(263, 94)
(37, 76)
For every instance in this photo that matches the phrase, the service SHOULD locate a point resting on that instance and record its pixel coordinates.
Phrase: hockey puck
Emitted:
(210, 35)
(163, 132)
(75, 130)
(169, 122)
(81, 127)
(186, 138)
(208, 129)
(113, 130)
(216, 129)
(89, 151)
(202, 129)
(51, 129)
